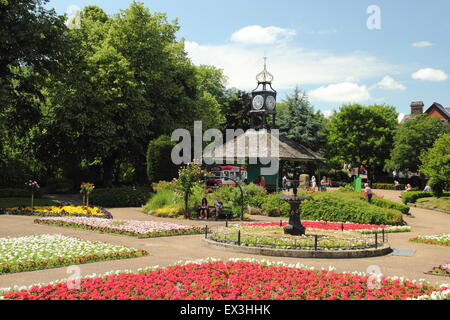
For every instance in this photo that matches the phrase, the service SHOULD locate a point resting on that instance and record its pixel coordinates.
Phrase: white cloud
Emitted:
(388, 83)
(260, 35)
(341, 92)
(429, 74)
(289, 64)
(422, 44)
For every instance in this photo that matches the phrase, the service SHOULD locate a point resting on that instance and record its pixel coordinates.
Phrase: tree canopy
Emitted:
(412, 138)
(436, 164)
(360, 135)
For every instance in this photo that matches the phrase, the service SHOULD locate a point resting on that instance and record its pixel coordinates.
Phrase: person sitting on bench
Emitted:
(218, 205)
(203, 210)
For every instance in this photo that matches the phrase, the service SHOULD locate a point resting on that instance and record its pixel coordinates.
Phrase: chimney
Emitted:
(417, 107)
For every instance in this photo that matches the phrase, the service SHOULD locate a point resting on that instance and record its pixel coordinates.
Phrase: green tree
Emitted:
(360, 135)
(436, 164)
(159, 163)
(125, 81)
(188, 178)
(298, 121)
(411, 139)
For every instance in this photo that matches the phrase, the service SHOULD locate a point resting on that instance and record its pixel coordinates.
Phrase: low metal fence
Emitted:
(315, 242)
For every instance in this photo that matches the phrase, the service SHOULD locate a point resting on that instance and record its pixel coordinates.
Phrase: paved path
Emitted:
(165, 251)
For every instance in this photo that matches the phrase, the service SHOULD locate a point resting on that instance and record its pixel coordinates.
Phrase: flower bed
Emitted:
(51, 251)
(60, 211)
(233, 280)
(321, 225)
(439, 240)
(443, 270)
(273, 237)
(141, 229)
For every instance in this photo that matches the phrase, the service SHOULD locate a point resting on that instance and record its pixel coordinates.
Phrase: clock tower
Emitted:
(264, 101)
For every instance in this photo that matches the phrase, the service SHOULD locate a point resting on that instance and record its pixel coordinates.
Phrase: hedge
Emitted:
(122, 197)
(18, 193)
(339, 209)
(412, 197)
(391, 205)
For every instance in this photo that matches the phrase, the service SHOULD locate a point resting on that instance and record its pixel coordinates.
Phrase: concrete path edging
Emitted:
(324, 254)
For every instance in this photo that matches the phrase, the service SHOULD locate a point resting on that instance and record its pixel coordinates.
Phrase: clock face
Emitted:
(270, 103)
(258, 102)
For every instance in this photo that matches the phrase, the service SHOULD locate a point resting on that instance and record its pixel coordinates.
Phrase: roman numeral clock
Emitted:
(264, 101)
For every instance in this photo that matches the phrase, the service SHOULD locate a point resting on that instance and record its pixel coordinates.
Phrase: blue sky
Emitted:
(323, 46)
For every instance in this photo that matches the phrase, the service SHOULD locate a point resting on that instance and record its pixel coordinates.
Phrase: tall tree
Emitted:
(126, 81)
(32, 42)
(298, 121)
(436, 164)
(412, 138)
(360, 135)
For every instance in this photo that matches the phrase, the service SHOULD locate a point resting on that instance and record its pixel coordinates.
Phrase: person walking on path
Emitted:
(313, 183)
(369, 193)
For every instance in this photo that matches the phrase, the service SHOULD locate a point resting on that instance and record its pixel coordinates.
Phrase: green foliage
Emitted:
(272, 206)
(165, 203)
(382, 203)
(18, 193)
(16, 202)
(337, 208)
(159, 163)
(412, 197)
(412, 138)
(360, 135)
(122, 197)
(299, 121)
(436, 165)
(60, 186)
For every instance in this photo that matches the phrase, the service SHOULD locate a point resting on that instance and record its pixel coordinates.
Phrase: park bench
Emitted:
(226, 213)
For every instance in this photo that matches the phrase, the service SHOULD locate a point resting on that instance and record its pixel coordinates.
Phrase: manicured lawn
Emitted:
(22, 202)
(435, 203)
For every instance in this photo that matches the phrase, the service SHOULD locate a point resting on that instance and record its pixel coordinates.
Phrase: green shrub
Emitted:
(412, 197)
(336, 208)
(272, 206)
(120, 197)
(382, 203)
(165, 203)
(60, 186)
(159, 163)
(18, 193)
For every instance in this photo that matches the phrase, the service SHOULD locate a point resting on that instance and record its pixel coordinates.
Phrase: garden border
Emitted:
(324, 254)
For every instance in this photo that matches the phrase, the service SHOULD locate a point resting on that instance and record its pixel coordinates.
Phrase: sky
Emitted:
(350, 51)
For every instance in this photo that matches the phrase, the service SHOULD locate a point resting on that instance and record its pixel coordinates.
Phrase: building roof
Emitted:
(239, 148)
(444, 111)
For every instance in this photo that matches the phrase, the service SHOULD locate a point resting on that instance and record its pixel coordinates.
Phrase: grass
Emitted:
(22, 202)
(435, 203)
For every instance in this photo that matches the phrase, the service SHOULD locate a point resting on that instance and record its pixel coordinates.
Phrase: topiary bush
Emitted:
(341, 209)
(122, 197)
